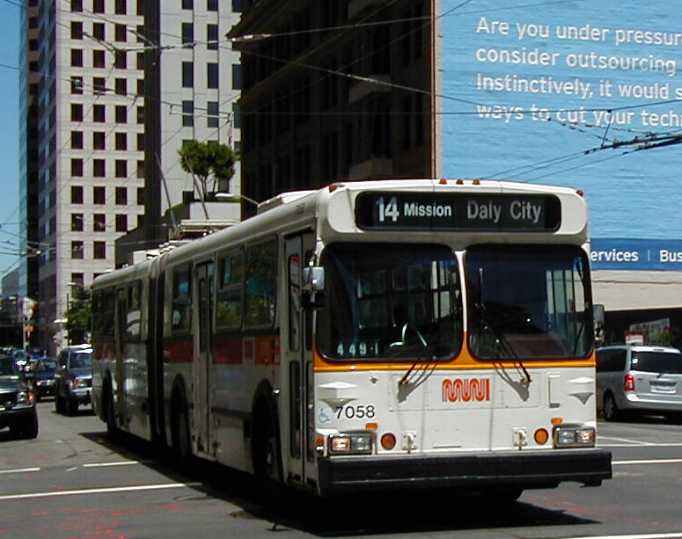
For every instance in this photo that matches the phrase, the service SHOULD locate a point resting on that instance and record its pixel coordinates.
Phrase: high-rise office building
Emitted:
(113, 90)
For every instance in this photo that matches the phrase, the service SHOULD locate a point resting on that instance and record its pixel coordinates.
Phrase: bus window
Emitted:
(261, 285)
(391, 301)
(544, 315)
(181, 302)
(229, 297)
(134, 311)
(103, 312)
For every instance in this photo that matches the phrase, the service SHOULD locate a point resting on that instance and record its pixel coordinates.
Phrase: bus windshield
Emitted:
(390, 301)
(528, 302)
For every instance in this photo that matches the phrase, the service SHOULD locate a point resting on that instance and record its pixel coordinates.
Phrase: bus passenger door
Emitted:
(202, 363)
(298, 364)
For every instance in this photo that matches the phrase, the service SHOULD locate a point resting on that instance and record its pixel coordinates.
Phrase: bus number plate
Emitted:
(359, 411)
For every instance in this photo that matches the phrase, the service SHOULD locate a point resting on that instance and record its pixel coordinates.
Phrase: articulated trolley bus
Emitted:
(369, 335)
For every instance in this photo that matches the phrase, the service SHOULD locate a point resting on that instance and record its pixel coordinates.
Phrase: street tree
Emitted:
(210, 163)
(79, 315)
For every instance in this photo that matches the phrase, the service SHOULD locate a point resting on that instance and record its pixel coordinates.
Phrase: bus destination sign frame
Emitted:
(395, 210)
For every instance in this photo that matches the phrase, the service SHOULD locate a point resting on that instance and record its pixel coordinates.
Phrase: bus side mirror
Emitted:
(312, 296)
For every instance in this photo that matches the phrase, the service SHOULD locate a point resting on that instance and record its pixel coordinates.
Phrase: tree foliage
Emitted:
(79, 315)
(210, 163)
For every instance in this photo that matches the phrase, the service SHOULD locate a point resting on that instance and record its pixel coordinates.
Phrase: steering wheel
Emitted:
(419, 335)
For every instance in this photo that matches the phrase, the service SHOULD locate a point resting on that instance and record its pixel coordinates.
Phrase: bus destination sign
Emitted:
(436, 211)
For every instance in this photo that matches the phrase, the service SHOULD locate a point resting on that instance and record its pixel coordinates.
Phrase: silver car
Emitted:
(633, 378)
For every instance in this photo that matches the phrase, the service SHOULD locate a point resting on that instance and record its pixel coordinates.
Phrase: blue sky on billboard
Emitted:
(576, 93)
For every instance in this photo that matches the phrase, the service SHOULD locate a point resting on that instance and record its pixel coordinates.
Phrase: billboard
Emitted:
(581, 93)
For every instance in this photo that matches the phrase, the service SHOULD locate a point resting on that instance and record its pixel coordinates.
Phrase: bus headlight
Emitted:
(351, 443)
(574, 436)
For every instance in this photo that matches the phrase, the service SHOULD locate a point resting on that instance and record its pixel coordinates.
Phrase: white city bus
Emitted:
(369, 335)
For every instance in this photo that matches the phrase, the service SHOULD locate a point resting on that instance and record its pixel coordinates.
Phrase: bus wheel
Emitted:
(265, 450)
(610, 408)
(505, 495)
(110, 411)
(181, 439)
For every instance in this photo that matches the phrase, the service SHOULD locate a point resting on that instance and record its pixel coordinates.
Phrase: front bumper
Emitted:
(81, 395)
(19, 415)
(523, 469)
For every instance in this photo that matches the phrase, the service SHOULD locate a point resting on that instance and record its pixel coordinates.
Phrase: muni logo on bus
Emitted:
(465, 390)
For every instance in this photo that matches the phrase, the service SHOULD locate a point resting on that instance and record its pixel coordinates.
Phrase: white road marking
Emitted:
(645, 444)
(633, 536)
(650, 461)
(98, 491)
(632, 442)
(119, 463)
(20, 470)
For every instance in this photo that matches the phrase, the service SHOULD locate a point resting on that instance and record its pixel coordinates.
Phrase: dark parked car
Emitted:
(17, 409)
(73, 379)
(39, 375)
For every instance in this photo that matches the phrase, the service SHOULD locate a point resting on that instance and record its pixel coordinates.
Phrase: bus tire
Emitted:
(506, 495)
(110, 413)
(180, 434)
(265, 447)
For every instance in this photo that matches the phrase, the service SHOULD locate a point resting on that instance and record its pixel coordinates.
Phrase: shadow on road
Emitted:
(419, 511)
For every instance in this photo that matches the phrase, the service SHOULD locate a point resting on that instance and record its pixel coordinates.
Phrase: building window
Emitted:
(120, 32)
(140, 115)
(77, 250)
(121, 86)
(187, 74)
(76, 30)
(236, 76)
(213, 113)
(212, 5)
(121, 114)
(98, 58)
(140, 142)
(99, 168)
(76, 222)
(99, 113)
(78, 279)
(140, 87)
(76, 112)
(76, 140)
(76, 58)
(187, 34)
(121, 196)
(99, 222)
(77, 85)
(187, 4)
(121, 223)
(188, 113)
(120, 59)
(76, 194)
(140, 61)
(99, 31)
(99, 249)
(121, 141)
(237, 6)
(212, 37)
(121, 167)
(77, 168)
(99, 85)
(212, 75)
(120, 8)
(99, 195)
(98, 6)
(98, 140)
(76, 6)
(140, 169)
(236, 116)
(140, 196)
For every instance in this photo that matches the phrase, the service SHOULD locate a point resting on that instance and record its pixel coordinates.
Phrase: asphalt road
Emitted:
(71, 482)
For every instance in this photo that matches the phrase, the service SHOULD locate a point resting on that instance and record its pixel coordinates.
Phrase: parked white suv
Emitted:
(633, 378)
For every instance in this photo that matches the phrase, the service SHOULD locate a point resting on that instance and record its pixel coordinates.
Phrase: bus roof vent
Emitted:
(282, 199)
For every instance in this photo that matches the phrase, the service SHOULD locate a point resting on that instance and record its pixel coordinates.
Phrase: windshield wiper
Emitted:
(501, 339)
(420, 358)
